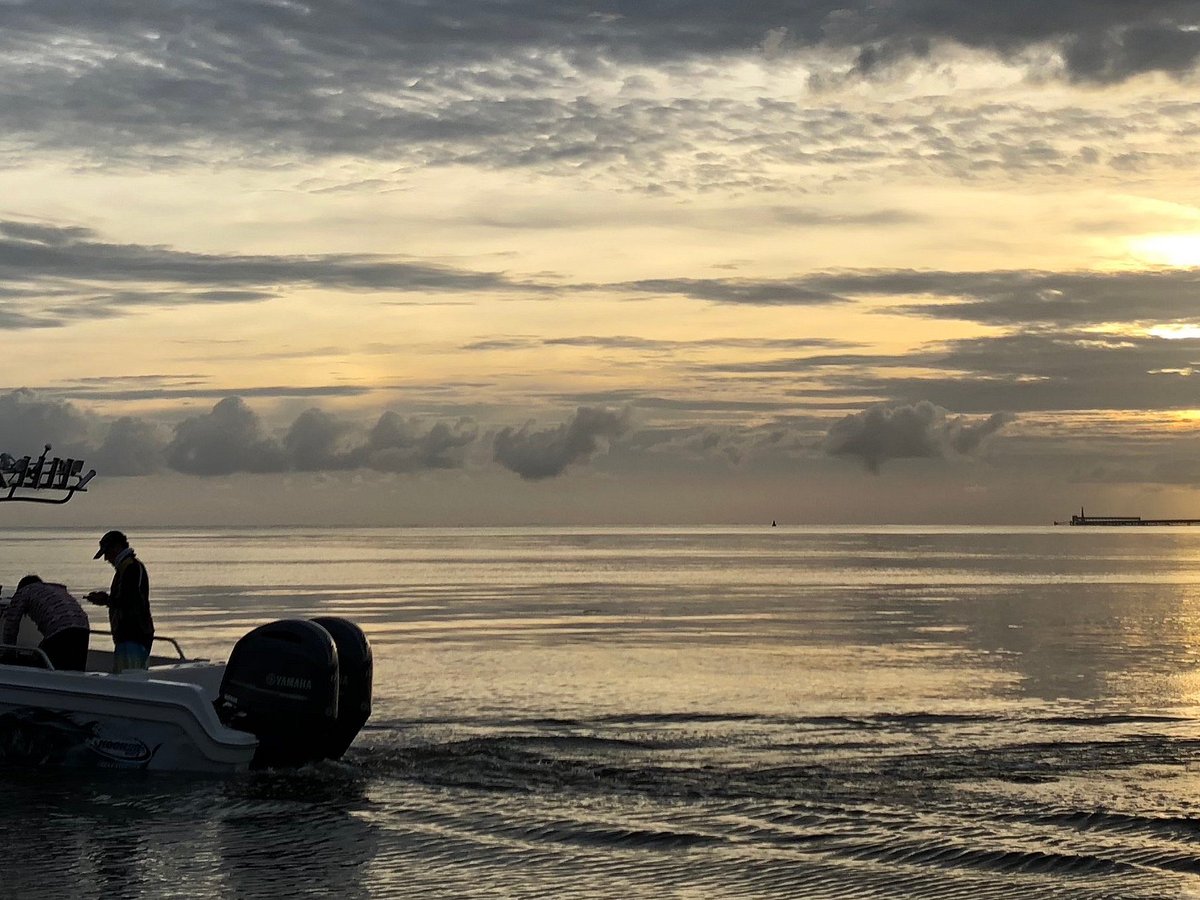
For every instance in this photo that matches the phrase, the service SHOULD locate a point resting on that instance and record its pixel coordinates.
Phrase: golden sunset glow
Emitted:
(1179, 250)
(538, 257)
(1175, 332)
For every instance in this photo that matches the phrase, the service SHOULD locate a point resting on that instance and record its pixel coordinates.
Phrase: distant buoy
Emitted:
(773, 523)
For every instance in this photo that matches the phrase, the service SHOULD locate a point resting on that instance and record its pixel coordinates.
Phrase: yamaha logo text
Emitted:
(288, 681)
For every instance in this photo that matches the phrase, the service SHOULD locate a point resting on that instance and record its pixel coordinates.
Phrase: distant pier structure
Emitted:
(1084, 519)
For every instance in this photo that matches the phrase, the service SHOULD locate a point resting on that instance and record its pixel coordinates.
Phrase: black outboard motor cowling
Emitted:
(281, 685)
(355, 674)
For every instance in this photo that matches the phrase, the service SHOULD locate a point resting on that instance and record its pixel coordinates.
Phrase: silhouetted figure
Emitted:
(57, 615)
(128, 602)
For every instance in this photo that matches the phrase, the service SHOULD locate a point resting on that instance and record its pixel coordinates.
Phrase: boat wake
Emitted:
(798, 808)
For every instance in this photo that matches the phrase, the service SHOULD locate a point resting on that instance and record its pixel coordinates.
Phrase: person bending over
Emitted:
(128, 602)
(57, 615)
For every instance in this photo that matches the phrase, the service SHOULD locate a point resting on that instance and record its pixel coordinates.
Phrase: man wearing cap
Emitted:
(128, 602)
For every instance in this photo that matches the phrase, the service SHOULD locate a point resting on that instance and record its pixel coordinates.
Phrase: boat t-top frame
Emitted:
(44, 480)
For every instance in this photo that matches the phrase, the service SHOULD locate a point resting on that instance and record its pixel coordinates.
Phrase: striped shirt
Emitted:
(50, 606)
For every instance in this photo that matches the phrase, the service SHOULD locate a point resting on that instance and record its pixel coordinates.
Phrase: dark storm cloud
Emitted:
(464, 82)
(1042, 372)
(62, 267)
(204, 52)
(397, 444)
(131, 446)
(754, 292)
(182, 387)
(316, 442)
(809, 364)
(1148, 46)
(646, 400)
(319, 441)
(1037, 370)
(502, 343)
(51, 235)
(29, 421)
(232, 438)
(535, 455)
(1020, 297)
(921, 430)
(730, 445)
(198, 392)
(734, 142)
(226, 440)
(1049, 298)
(629, 342)
(73, 253)
(13, 320)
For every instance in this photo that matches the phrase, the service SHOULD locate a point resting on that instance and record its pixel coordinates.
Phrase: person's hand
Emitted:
(100, 598)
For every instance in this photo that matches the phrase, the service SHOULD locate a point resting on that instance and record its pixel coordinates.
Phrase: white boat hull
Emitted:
(136, 720)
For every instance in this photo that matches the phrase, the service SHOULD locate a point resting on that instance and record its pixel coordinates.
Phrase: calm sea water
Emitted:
(686, 713)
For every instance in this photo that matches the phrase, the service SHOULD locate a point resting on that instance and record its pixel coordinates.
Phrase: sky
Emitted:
(504, 262)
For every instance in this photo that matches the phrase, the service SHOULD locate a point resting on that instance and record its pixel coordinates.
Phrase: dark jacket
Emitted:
(129, 603)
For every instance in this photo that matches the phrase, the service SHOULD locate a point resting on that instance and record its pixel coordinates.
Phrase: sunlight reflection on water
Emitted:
(696, 712)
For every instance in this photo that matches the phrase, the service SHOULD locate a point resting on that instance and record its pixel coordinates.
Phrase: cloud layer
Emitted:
(539, 454)
(562, 87)
(232, 438)
(918, 431)
(57, 275)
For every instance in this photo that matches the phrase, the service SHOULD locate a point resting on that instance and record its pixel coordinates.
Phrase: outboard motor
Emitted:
(281, 685)
(355, 674)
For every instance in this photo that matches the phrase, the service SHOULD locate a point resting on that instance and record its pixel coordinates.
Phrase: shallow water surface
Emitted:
(736, 713)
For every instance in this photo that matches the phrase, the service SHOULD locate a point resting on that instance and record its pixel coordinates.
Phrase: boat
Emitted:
(293, 691)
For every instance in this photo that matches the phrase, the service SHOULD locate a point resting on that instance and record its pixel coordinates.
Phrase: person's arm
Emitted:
(12, 618)
(100, 598)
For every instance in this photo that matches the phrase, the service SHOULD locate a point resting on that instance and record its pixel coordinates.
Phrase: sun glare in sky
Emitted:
(1175, 332)
(1177, 250)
